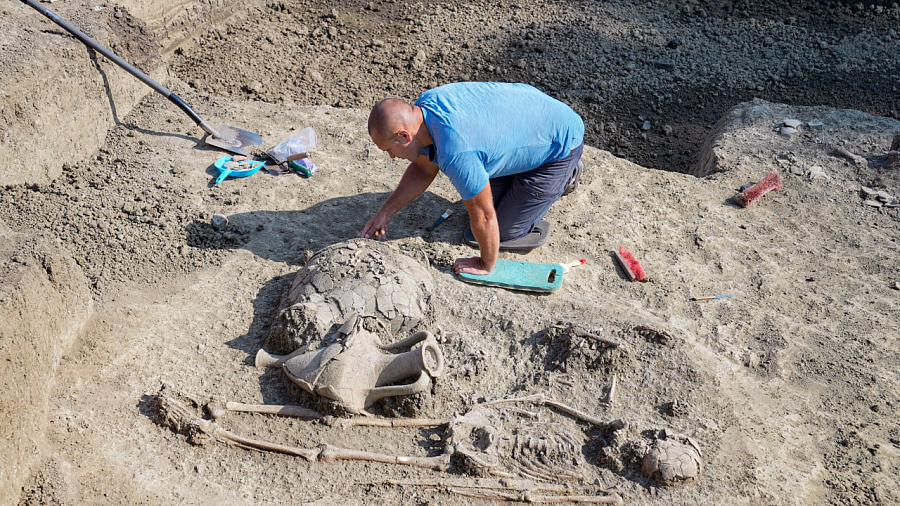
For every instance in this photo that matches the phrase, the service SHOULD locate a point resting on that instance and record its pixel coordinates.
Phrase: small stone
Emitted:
(814, 123)
(646, 126)
(796, 170)
(892, 160)
(793, 123)
(665, 63)
(868, 192)
(674, 43)
(817, 172)
(884, 196)
(667, 130)
(873, 203)
(787, 131)
(219, 221)
(418, 61)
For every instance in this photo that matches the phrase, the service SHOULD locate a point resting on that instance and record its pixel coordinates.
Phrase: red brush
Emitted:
(772, 181)
(630, 265)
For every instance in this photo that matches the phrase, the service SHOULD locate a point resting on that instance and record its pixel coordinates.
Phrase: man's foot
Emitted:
(576, 177)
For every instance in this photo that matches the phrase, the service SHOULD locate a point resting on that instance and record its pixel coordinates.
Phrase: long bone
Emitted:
(528, 496)
(540, 399)
(512, 489)
(182, 419)
(294, 411)
(216, 411)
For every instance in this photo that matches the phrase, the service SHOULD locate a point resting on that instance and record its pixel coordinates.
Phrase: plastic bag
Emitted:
(293, 152)
(296, 146)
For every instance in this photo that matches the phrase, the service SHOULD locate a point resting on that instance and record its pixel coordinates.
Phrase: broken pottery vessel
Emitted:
(356, 277)
(359, 370)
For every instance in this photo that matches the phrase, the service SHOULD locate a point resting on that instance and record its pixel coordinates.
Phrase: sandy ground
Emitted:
(789, 388)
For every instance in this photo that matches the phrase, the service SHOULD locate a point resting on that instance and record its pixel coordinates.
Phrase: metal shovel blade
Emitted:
(233, 139)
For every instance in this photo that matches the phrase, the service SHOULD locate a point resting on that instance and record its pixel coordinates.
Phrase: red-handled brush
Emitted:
(576, 263)
(630, 265)
(772, 181)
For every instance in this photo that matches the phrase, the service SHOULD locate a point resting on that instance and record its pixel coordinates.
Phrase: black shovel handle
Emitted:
(175, 99)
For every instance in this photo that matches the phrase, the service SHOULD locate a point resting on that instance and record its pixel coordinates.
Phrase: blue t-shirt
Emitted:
(485, 130)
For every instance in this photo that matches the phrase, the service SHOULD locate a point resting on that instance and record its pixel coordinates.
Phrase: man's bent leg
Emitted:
(531, 194)
(499, 187)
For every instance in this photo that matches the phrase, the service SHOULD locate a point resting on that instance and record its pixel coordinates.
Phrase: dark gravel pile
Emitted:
(123, 220)
(650, 78)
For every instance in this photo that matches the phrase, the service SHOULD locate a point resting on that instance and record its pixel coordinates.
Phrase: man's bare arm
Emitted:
(483, 220)
(418, 177)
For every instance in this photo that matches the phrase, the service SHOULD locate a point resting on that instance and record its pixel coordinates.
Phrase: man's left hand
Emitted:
(470, 265)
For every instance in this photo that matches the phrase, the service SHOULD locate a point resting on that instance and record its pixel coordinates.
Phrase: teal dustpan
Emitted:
(246, 168)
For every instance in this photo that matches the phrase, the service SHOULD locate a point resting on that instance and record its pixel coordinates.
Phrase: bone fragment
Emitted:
(325, 453)
(182, 419)
(332, 453)
(853, 157)
(612, 390)
(345, 423)
(580, 332)
(502, 484)
(528, 496)
(546, 473)
(578, 415)
(274, 409)
(525, 468)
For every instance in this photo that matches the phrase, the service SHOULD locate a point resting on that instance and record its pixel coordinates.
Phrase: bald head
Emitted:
(390, 116)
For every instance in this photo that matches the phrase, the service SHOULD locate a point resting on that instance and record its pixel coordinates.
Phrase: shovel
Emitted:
(226, 137)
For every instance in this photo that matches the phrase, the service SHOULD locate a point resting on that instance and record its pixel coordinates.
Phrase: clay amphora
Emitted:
(360, 370)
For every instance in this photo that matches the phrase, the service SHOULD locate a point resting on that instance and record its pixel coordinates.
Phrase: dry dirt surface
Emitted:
(789, 388)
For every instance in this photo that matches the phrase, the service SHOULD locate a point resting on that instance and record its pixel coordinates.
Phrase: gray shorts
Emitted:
(522, 200)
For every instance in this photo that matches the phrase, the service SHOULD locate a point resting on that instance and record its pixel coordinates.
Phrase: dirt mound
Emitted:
(44, 304)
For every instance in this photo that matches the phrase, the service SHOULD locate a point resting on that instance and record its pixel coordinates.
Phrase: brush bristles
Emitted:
(772, 181)
(633, 265)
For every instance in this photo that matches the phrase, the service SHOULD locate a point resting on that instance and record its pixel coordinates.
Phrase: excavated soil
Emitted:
(789, 387)
(649, 78)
